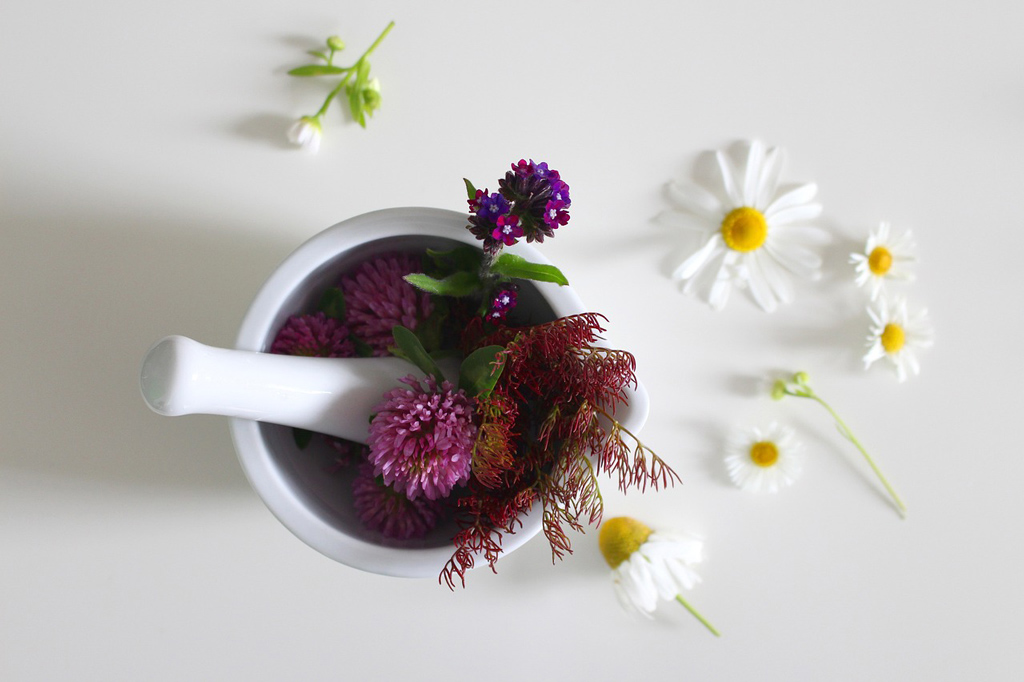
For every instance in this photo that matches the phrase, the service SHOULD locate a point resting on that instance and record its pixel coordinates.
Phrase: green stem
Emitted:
(698, 616)
(332, 95)
(352, 69)
(384, 33)
(900, 506)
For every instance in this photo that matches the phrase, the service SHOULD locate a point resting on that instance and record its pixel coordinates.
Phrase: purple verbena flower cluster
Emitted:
(532, 201)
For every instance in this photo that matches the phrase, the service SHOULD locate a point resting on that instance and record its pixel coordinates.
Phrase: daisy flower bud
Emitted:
(778, 389)
(306, 133)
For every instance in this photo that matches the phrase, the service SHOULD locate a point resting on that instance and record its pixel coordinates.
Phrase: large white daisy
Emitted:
(763, 459)
(755, 234)
(886, 257)
(648, 565)
(897, 335)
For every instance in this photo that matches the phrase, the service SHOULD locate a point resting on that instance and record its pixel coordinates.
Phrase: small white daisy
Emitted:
(897, 335)
(886, 257)
(763, 459)
(648, 565)
(755, 236)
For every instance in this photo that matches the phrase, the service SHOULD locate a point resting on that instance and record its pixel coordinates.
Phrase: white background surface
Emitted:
(146, 189)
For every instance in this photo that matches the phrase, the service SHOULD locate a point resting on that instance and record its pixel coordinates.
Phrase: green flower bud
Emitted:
(336, 43)
(779, 389)
(801, 378)
(371, 96)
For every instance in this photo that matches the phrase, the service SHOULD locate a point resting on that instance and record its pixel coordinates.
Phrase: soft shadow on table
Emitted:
(268, 129)
(87, 291)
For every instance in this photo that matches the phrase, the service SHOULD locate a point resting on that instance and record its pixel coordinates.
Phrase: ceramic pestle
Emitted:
(335, 396)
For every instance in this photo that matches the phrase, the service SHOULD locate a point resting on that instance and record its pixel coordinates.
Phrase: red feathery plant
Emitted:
(547, 430)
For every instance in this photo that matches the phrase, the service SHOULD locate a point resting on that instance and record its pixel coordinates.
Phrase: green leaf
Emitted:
(363, 349)
(316, 70)
(362, 75)
(431, 331)
(302, 437)
(461, 283)
(479, 374)
(411, 349)
(463, 257)
(355, 104)
(332, 303)
(511, 265)
(470, 189)
(317, 53)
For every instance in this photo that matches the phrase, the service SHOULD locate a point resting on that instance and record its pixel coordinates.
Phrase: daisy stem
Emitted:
(696, 614)
(845, 430)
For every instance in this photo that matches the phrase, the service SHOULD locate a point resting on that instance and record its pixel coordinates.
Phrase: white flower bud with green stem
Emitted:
(363, 92)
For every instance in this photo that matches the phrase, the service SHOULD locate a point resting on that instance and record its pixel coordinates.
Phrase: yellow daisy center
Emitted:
(744, 229)
(893, 338)
(620, 537)
(880, 260)
(764, 453)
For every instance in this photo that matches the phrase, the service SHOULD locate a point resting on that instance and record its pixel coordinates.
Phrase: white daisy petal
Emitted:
(720, 290)
(795, 197)
(795, 214)
(696, 200)
(702, 280)
(800, 262)
(662, 578)
(685, 577)
(732, 190)
(804, 234)
(777, 279)
(875, 352)
(752, 173)
(641, 584)
(769, 180)
(692, 265)
(759, 285)
(632, 591)
(623, 596)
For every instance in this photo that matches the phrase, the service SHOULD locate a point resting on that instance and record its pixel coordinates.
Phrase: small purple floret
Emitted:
(556, 213)
(507, 230)
(503, 302)
(493, 207)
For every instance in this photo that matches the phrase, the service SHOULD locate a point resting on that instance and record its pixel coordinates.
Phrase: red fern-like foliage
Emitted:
(547, 430)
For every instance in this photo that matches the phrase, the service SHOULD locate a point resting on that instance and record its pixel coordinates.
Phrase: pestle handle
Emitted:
(335, 396)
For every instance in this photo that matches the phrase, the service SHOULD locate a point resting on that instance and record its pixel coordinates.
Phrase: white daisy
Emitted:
(755, 235)
(763, 459)
(648, 565)
(897, 335)
(886, 257)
